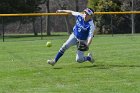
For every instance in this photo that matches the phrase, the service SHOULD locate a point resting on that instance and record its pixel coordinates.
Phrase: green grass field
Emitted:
(24, 68)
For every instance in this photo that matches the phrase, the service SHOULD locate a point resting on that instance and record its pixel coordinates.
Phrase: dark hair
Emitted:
(91, 9)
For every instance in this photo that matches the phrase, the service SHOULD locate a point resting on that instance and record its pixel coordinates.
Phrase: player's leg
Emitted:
(90, 58)
(70, 42)
(81, 58)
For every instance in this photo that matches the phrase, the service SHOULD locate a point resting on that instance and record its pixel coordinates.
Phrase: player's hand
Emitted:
(82, 46)
(87, 44)
(58, 11)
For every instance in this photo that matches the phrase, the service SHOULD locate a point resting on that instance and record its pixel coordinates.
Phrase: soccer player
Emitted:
(82, 31)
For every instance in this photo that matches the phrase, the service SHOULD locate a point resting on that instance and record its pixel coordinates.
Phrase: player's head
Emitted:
(89, 11)
(88, 14)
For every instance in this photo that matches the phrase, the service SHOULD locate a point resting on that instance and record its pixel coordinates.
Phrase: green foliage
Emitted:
(104, 5)
(120, 23)
(103, 22)
(92, 3)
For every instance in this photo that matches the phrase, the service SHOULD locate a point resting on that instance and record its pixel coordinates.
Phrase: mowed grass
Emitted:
(24, 68)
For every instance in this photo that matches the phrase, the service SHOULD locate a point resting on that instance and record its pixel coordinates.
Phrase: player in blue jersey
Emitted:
(82, 31)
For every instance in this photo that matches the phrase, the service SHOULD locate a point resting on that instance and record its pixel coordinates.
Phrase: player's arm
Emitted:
(89, 41)
(65, 11)
(91, 34)
(69, 12)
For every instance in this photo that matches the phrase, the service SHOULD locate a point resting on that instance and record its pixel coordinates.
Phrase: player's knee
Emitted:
(79, 60)
(64, 48)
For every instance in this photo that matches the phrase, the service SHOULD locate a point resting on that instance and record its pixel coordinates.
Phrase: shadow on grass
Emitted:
(57, 68)
(108, 66)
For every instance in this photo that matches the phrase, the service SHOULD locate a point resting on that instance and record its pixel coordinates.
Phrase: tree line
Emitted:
(104, 23)
(117, 23)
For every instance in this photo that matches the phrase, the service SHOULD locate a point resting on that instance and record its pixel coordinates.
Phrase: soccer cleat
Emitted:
(92, 60)
(51, 62)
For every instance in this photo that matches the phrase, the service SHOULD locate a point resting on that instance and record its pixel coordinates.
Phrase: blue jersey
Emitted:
(82, 29)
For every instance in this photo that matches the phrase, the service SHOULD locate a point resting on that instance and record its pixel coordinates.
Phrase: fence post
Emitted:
(112, 26)
(3, 28)
(132, 18)
(41, 29)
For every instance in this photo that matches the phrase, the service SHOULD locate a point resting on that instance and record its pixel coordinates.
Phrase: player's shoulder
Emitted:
(91, 22)
(81, 15)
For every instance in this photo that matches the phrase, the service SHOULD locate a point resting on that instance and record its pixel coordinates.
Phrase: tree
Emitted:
(122, 23)
(132, 5)
(104, 22)
(48, 18)
(20, 6)
(77, 5)
(64, 7)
